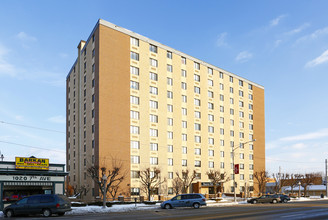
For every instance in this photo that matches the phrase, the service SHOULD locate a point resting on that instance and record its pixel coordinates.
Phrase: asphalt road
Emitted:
(294, 210)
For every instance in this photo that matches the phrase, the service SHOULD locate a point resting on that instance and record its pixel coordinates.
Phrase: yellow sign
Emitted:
(30, 163)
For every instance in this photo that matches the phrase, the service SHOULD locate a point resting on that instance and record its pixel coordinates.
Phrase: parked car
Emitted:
(284, 198)
(46, 205)
(185, 200)
(265, 199)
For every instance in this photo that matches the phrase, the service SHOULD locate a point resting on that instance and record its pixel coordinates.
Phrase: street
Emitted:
(317, 209)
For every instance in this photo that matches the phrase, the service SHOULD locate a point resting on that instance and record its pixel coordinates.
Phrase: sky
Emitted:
(281, 45)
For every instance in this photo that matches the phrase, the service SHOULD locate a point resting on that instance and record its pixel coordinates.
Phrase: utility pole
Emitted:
(326, 177)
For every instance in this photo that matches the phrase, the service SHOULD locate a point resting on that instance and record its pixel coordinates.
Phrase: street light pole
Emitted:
(299, 189)
(233, 163)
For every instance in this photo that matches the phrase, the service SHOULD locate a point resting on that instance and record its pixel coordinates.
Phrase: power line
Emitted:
(24, 145)
(28, 126)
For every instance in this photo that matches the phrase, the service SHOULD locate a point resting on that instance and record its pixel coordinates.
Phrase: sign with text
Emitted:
(30, 163)
(236, 168)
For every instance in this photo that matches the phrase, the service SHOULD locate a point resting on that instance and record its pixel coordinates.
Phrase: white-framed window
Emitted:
(251, 177)
(184, 111)
(221, 108)
(221, 142)
(250, 137)
(221, 97)
(231, 79)
(210, 71)
(134, 100)
(153, 104)
(232, 133)
(196, 66)
(153, 62)
(134, 115)
(135, 144)
(231, 89)
(211, 153)
(184, 163)
(134, 85)
(197, 127)
(210, 164)
(135, 159)
(134, 41)
(198, 151)
(241, 156)
(210, 105)
(184, 85)
(221, 86)
(197, 77)
(169, 135)
(183, 60)
(198, 139)
(250, 106)
(153, 90)
(210, 82)
(241, 83)
(222, 131)
(154, 160)
(184, 137)
(169, 55)
(197, 114)
(169, 68)
(183, 73)
(153, 48)
(250, 96)
(184, 150)
(250, 116)
(211, 141)
(153, 76)
(221, 75)
(241, 135)
(231, 101)
(241, 124)
(251, 146)
(169, 81)
(184, 124)
(170, 148)
(134, 56)
(196, 89)
(210, 94)
(222, 165)
(241, 93)
(251, 167)
(241, 114)
(241, 176)
(134, 70)
(153, 132)
(170, 121)
(153, 146)
(241, 104)
(210, 129)
(184, 98)
(170, 161)
(153, 118)
(135, 174)
(134, 129)
(169, 94)
(170, 176)
(198, 163)
(170, 108)
(221, 120)
(250, 86)
(197, 102)
(232, 111)
(210, 117)
(251, 157)
(241, 166)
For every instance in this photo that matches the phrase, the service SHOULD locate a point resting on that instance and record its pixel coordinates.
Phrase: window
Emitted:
(134, 100)
(170, 148)
(231, 101)
(170, 176)
(211, 117)
(222, 165)
(221, 120)
(210, 71)
(211, 153)
(210, 94)
(241, 104)
(183, 73)
(153, 146)
(198, 139)
(184, 150)
(196, 66)
(153, 132)
(221, 75)
(211, 141)
(221, 131)
(197, 151)
(210, 164)
(232, 112)
(232, 133)
(198, 175)
(170, 108)
(250, 117)
(184, 163)
(184, 98)
(135, 174)
(241, 124)
(153, 76)
(241, 93)
(184, 111)
(251, 157)
(135, 144)
(241, 135)
(231, 90)
(197, 102)
(153, 104)
(222, 143)
(154, 160)
(198, 163)
(134, 129)
(184, 85)
(170, 161)
(170, 121)
(250, 106)
(153, 90)
(251, 167)
(241, 176)
(135, 159)
(210, 129)
(231, 79)
(197, 90)
(241, 166)
(134, 85)
(241, 83)
(251, 146)
(210, 82)
(197, 114)
(250, 96)
(221, 108)
(134, 115)
(153, 62)
(135, 191)
(221, 153)
(169, 81)
(153, 118)
(197, 77)
(221, 86)
(210, 105)
(169, 54)
(134, 41)
(184, 124)
(241, 114)
(169, 94)
(134, 56)
(221, 97)
(183, 60)
(169, 68)
(169, 135)
(197, 127)
(250, 137)
(153, 48)
(241, 156)
(184, 137)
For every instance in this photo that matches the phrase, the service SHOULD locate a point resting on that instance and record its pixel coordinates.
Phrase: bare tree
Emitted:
(150, 180)
(105, 178)
(113, 189)
(308, 179)
(217, 178)
(186, 179)
(261, 178)
(177, 185)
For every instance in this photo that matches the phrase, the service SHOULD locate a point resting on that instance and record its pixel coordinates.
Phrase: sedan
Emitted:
(265, 199)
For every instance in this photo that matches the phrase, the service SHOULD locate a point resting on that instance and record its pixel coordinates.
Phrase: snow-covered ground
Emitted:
(226, 201)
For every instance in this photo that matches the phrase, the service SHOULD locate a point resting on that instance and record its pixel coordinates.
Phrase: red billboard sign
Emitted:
(236, 168)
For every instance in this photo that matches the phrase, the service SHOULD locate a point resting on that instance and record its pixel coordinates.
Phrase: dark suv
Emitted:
(46, 205)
